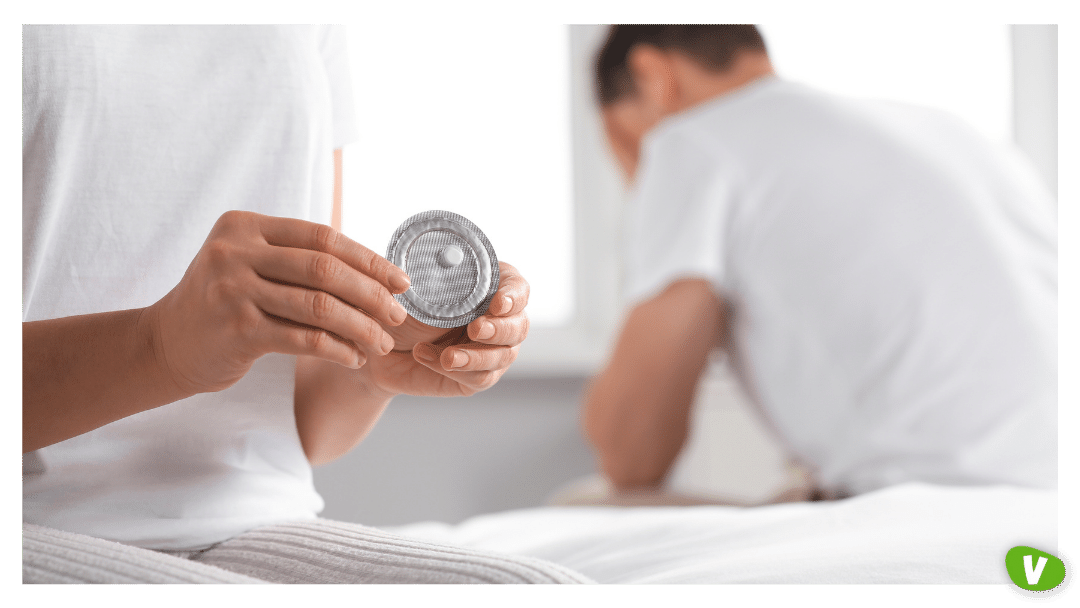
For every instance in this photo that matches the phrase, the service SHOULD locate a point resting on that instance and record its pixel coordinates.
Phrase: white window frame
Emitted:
(581, 347)
(1035, 93)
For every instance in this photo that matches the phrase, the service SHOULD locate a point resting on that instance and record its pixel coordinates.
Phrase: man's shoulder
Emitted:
(753, 114)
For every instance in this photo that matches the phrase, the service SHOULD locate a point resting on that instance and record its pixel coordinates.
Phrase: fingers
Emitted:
(470, 357)
(506, 331)
(287, 232)
(320, 310)
(483, 368)
(325, 272)
(505, 322)
(478, 357)
(282, 336)
(512, 295)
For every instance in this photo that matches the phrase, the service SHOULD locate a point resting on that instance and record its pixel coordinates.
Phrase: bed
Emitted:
(911, 533)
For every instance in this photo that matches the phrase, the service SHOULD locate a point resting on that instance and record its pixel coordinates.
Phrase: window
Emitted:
(964, 68)
(470, 119)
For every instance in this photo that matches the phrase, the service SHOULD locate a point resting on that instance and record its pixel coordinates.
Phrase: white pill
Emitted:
(451, 256)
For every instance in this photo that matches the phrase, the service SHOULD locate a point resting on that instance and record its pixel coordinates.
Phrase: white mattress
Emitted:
(913, 533)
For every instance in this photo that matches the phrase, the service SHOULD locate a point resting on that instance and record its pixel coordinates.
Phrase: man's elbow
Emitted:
(623, 461)
(625, 475)
(635, 431)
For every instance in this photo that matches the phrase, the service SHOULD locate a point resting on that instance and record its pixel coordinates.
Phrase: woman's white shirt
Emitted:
(135, 140)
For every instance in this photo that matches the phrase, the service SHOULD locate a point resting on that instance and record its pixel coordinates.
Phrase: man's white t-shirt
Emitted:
(891, 275)
(135, 140)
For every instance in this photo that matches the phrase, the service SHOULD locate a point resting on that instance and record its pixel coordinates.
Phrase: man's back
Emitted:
(893, 280)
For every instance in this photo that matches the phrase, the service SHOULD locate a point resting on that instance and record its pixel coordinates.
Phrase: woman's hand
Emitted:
(431, 361)
(263, 284)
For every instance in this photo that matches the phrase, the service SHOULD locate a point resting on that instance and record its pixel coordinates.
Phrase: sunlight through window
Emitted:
(475, 120)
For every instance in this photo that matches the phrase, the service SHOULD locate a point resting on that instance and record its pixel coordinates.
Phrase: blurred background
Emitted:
(499, 125)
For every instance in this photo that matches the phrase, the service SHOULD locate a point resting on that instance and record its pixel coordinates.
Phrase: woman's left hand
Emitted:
(458, 362)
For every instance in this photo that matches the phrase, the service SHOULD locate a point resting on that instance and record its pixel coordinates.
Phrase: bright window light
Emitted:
(964, 69)
(472, 119)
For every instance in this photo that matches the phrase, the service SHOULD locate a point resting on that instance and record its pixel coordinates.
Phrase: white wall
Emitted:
(447, 459)
(518, 443)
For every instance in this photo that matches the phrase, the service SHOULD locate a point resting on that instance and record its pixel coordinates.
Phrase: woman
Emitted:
(177, 394)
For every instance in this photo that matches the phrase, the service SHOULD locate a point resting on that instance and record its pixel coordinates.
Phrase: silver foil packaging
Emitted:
(451, 264)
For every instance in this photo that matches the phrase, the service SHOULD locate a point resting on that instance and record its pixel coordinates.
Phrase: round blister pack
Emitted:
(452, 266)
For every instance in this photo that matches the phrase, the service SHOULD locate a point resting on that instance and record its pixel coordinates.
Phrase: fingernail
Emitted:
(425, 353)
(397, 313)
(487, 330)
(361, 359)
(400, 282)
(387, 344)
(507, 304)
(460, 359)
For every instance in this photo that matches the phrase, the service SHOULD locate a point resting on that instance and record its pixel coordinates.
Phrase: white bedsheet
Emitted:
(913, 533)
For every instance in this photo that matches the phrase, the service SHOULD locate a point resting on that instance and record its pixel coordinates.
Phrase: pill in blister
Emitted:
(451, 264)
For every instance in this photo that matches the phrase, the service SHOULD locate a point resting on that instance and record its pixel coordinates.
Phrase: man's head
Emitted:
(645, 73)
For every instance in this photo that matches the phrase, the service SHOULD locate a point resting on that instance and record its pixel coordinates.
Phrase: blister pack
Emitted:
(452, 266)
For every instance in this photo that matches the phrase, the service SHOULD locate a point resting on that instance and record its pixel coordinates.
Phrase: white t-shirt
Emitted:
(892, 279)
(136, 139)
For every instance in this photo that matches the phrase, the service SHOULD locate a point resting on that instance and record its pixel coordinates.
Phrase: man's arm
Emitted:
(637, 410)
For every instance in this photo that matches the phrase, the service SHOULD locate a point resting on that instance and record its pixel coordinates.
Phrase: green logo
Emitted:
(1034, 570)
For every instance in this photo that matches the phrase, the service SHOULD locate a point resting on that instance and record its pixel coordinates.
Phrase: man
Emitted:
(884, 281)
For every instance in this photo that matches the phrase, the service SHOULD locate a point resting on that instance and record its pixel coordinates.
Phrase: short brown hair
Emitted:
(714, 46)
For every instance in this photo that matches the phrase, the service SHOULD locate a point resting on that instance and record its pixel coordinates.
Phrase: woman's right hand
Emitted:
(263, 284)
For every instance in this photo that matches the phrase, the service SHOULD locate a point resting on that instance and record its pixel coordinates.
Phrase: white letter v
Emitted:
(1033, 576)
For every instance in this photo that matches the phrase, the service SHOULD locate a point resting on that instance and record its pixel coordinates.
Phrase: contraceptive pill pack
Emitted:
(451, 264)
